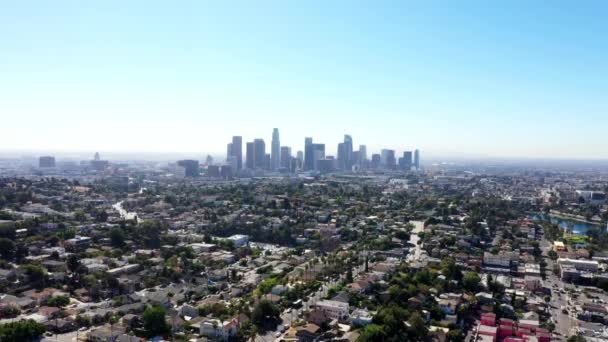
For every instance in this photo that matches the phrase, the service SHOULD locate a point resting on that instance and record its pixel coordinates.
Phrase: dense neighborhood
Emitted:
(448, 254)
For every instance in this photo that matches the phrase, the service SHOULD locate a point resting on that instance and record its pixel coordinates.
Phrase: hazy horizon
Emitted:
(470, 80)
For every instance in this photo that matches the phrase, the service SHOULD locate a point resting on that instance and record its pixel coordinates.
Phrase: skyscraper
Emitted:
(388, 159)
(275, 150)
(345, 153)
(318, 154)
(406, 161)
(229, 151)
(191, 168)
(348, 152)
(362, 154)
(309, 155)
(341, 156)
(376, 160)
(300, 160)
(285, 157)
(237, 151)
(259, 153)
(250, 157)
(417, 159)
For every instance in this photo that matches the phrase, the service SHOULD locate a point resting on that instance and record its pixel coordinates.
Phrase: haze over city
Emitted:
(471, 79)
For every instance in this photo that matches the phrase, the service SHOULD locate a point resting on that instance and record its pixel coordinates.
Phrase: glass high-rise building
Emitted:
(237, 151)
(259, 153)
(285, 157)
(309, 155)
(275, 150)
(250, 158)
(348, 152)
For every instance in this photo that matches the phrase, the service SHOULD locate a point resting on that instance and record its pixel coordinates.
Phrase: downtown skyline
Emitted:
(282, 157)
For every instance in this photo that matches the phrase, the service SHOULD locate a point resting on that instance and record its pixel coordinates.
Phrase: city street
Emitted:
(565, 323)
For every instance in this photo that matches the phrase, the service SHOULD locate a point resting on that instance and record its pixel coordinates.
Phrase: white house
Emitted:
(216, 329)
(333, 309)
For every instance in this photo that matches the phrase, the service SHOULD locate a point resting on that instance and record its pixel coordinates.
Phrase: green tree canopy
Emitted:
(263, 313)
(471, 281)
(21, 331)
(154, 321)
(7, 248)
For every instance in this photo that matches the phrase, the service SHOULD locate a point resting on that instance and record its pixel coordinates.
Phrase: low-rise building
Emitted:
(333, 309)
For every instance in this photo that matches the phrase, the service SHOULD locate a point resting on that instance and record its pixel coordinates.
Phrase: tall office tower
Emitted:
(309, 155)
(384, 157)
(267, 162)
(46, 161)
(299, 160)
(357, 159)
(259, 153)
(232, 162)
(285, 157)
(229, 151)
(190, 167)
(391, 161)
(407, 160)
(388, 160)
(362, 154)
(348, 152)
(376, 161)
(96, 156)
(417, 159)
(237, 151)
(209, 160)
(341, 156)
(275, 150)
(250, 156)
(318, 154)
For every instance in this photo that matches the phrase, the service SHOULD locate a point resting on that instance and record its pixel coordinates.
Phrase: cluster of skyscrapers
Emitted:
(313, 158)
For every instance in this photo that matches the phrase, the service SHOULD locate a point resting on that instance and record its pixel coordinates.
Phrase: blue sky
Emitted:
(469, 78)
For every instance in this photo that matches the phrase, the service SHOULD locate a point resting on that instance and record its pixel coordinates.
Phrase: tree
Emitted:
(59, 301)
(372, 332)
(73, 263)
(471, 281)
(392, 318)
(264, 313)
(117, 237)
(455, 335)
(576, 338)
(101, 216)
(154, 321)
(9, 311)
(79, 215)
(7, 248)
(21, 331)
(149, 233)
(552, 254)
(417, 327)
(37, 275)
(450, 270)
(82, 321)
